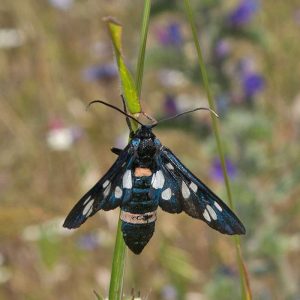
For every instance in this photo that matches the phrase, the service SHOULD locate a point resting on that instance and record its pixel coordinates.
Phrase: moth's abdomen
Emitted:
(139, 215)
(137, 236)
(141, 202)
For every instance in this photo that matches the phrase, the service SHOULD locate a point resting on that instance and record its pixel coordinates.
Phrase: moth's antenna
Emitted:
(187, 112)
(115, 108)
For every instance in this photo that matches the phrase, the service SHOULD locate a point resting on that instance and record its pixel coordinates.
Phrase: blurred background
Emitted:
(56, 56)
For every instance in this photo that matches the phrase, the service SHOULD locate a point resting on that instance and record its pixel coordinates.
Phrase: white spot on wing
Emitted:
(206, 216)
(153, 178)
(211, 212)
(127, 180)
(87, 207)
(105, 184)
(87, 200)
(185, 190)
(118, 192)
(106, 191)
(159, 180)
(193, 187)
(89, 212)
(166, 194)
(218, 206)
(169, 166)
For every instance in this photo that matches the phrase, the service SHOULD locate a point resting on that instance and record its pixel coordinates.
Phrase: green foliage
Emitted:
(246, 290)
(49, 249)
(223, 287)
(127, 82)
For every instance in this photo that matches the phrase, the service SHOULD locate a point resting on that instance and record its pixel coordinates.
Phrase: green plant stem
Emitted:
(119, 256)
(118, 266)
(142, 50)
(245, 285)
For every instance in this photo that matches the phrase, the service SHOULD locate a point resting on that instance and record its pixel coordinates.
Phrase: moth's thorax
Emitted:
(146, 148)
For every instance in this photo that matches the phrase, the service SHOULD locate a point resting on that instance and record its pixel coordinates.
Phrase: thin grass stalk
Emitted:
(119, 256)
(118, 266)
(142, 50)
(245, 284)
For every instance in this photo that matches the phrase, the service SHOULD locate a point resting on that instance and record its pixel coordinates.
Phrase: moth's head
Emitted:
(145, 132)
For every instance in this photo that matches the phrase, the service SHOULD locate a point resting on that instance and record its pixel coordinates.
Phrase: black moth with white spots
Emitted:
(146, 175)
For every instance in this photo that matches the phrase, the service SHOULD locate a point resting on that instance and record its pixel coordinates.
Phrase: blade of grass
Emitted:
(143, 38)
(98, 296)
(131, 94)
(127, 83)
(245, 284)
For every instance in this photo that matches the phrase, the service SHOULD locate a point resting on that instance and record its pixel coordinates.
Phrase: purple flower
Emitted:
(243, 13)
(171, 35)
(222, 48)
(170, 106)
(100, 72)
(246, 65)
(216, 171)
(169, 292)
(88, 241)
(226, 271)
(297, 16)
(253, 83)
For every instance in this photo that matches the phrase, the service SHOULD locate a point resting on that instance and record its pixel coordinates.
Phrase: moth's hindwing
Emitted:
(184, 191)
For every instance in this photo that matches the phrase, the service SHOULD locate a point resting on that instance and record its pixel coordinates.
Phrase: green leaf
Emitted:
(127, 83)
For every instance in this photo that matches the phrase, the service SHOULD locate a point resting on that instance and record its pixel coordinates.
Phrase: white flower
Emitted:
(60, 139)
(11, 38)
(61, 4)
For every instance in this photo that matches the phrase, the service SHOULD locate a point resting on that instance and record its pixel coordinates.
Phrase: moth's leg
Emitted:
(116, 151)
(127, 119)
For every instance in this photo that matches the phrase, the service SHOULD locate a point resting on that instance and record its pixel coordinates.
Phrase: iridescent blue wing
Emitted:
(183, 191)
(107, 193)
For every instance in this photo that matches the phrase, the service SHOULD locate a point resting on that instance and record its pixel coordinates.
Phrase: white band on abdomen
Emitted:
(138, 218)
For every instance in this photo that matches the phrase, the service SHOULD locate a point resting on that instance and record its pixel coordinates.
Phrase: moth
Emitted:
(147, 175)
